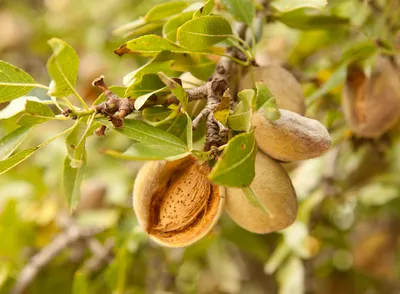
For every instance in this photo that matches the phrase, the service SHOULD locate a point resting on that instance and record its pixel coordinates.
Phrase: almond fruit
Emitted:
(291, 137)
(371, 105)
(274, 189)
(281, 83)
(175, 203)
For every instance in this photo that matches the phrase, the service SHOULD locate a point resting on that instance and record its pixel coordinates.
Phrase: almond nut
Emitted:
(274, 189)
(283, 85)
(371, 105)
(175, 203)
(291, 137)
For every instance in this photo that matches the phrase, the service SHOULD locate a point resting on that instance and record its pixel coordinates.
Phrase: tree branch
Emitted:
(69, 236)
(225, 77)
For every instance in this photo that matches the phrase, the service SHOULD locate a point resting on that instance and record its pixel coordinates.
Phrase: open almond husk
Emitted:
(274, 189)
(291, 137)
(175, 203)
(282, 84)
(371, 104)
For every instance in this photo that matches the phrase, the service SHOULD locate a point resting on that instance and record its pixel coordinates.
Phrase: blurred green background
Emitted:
(346, 238)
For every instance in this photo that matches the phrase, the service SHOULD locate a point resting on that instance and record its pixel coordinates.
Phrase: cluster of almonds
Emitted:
(176, 204)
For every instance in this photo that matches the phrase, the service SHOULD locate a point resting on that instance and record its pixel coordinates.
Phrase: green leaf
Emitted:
(175, 88)
(138, 28)
(171, 63)
(144, 133)
(17, 158)
(175, 126)
(81, 283)
(205, 9)
(336, 78)
(149, 45)
(242, 10)
(155, 65)
(307, 20)
(62, 67)
(254, 200)
(14, 82)
(140, 151)
(156, 114)
(289, 5)
(146, 84)
(164, 10)
(72, 179)
(140, 101)
(76, 139)
(9, 143)
(16, 107)
(35, 113)
(202, 32)
(116, 273)
(359, 51)
(75, 163)
(262, 95)
(235, 167)
(271, 110)
(199, 65)
(240, 119)
(171, 26)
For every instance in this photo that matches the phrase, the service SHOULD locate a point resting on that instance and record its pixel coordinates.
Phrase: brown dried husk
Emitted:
(282, 84)
(175, 202)
(371, 105)
(274, 189)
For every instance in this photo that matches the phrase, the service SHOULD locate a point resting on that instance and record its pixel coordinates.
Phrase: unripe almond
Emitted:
(274, 189)
(291, 137)
(371, 105)
(175, 203)
(283, 85)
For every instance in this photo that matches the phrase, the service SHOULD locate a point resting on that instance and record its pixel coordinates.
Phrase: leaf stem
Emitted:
(244, 63)
(55, 137)
(80, 98)
(249, 49)
(70, 105)
(89, 124)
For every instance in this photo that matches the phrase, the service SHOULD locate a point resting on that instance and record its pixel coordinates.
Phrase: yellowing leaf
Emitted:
(221, 113)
